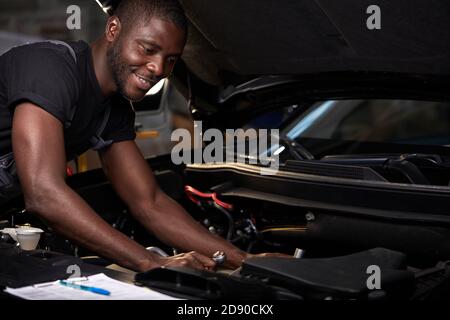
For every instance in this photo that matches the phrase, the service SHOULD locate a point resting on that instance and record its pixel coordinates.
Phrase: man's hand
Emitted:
(190, 259)
(198, 261)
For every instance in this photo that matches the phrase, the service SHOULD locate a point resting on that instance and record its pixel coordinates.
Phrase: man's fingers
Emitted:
(204, 261)
(201, 262)
(194, 262)
(207, 262)
(190, 259)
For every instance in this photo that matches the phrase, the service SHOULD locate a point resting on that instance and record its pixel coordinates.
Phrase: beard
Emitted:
(118, 69)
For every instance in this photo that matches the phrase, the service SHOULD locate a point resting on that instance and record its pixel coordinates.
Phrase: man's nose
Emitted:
(156, 67)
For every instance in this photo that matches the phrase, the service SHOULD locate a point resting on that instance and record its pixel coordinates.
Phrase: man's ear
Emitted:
(113, 27)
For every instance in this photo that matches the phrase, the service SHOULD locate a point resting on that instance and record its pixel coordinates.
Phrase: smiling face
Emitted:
(143, 54)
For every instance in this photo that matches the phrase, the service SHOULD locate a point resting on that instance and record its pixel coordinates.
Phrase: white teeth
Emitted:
(142, 80)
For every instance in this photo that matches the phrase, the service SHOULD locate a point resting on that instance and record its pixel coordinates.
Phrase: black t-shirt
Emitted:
(47, 75)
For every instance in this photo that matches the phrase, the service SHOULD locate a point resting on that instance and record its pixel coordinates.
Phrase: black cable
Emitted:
(230, 221)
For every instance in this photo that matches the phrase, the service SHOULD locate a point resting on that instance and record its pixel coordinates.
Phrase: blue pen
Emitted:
(86, 288)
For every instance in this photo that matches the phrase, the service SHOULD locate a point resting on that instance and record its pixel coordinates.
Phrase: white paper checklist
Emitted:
(119, 290)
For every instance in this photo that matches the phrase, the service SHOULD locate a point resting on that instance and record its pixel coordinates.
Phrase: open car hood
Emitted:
(234, 40)
(253, 46)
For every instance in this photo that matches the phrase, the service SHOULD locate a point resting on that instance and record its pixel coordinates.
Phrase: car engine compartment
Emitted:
(333, 247)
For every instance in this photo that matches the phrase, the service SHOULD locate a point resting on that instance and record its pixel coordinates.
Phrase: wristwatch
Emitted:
(219, 258)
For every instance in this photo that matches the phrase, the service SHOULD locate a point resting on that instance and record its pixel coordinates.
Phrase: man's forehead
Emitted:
(158, 32)
(155, 27)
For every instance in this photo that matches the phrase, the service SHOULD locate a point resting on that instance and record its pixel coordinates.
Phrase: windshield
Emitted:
(370, 126)
(401, 140)
(389, 121)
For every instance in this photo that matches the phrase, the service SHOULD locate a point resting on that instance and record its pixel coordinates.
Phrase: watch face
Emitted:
(219, 257)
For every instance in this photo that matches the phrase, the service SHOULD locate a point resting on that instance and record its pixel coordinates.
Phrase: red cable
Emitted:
(221, 203)
(190, 190)
(197, 193)
(192, 198)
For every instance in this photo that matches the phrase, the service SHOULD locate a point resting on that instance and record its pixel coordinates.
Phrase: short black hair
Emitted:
(131, 11)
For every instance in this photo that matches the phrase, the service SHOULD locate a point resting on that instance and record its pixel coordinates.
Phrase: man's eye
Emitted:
(172, 60)
(147, 50)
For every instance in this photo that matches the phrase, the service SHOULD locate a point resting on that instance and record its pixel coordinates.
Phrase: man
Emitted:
(52, 104)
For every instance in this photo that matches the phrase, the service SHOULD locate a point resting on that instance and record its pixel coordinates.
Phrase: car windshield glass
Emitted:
(387, 121)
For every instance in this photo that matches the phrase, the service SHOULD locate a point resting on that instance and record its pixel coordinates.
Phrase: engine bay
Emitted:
(333, 248)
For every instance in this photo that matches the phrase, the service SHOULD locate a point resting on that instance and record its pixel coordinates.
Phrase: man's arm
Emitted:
(38, 145)
(133, 180)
